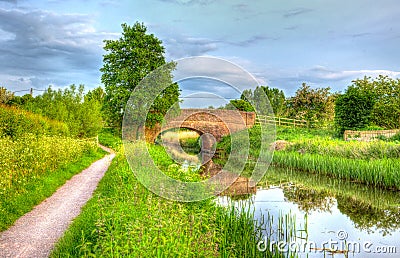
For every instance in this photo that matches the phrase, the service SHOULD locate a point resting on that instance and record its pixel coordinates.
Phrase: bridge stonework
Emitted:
(216, 122)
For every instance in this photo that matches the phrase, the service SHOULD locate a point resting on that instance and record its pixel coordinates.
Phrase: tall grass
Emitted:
(30, 155)
(381, 172)
(351, 149)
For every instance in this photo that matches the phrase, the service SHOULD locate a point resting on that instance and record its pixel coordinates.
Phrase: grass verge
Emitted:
(20, 199)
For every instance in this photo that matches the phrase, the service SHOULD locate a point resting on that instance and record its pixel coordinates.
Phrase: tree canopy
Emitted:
(315, 105)
(369, 102)
(127, 61)
(275, 96)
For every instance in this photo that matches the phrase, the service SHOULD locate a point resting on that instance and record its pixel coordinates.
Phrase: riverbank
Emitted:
(315, 151)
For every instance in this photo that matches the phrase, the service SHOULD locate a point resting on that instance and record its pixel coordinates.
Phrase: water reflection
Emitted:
(366, 214)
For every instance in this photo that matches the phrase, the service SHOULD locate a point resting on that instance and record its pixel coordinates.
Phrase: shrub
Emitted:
(15, 123)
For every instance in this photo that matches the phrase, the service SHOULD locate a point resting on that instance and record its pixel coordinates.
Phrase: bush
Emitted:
(353, 110)
(15, 123)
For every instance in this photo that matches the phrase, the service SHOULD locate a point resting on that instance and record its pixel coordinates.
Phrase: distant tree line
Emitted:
(314, 105)
(366, 104)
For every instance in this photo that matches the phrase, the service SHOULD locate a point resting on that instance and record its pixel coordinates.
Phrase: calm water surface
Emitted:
(339, 214)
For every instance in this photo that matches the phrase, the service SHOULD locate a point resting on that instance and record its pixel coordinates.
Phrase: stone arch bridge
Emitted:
(214, 122)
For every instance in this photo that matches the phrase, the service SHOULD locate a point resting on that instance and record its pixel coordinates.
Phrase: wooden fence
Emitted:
(281, 121)
(368, 135)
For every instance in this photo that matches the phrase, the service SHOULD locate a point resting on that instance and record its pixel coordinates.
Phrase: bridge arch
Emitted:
(216, 122)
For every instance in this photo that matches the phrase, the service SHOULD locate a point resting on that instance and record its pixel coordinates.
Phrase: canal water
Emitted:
(339, 219)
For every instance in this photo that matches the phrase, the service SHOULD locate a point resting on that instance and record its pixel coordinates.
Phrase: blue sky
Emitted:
(283, 43)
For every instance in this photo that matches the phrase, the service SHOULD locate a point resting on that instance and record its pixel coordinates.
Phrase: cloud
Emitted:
(41, 43)
(296, 12)
(179, 46)
(252, 40)
(108, 3)
(182, 46)
(323, 73)
(189, 2)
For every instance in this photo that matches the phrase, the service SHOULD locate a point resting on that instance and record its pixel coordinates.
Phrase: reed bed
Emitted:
(381, 172)
(351, 149)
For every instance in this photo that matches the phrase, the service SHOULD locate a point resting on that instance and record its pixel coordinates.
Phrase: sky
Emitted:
(282, 43)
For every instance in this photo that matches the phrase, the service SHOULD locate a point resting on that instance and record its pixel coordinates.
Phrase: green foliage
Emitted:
(275, 96)
(27, 192)
(21, 101)
(15, 123)
(353, 109)
(5, 96)
(386, 94)
(127, 61)
(82, 114)
(314, 105)
(110, 138)
(239, 104)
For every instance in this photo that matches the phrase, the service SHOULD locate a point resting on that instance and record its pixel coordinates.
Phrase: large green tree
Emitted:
(369, 102)
(127, 61)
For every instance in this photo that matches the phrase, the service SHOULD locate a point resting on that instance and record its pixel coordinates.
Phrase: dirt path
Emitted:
(35, 233)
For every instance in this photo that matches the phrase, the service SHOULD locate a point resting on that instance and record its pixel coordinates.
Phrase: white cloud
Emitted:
(321, 72)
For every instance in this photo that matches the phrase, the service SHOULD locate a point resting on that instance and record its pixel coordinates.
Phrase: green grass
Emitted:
(21, 198)
(299, 133)
(351, 149)
(110, 138)
(126, 219)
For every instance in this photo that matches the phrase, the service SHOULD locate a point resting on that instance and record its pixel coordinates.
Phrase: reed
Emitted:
(381, 172)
